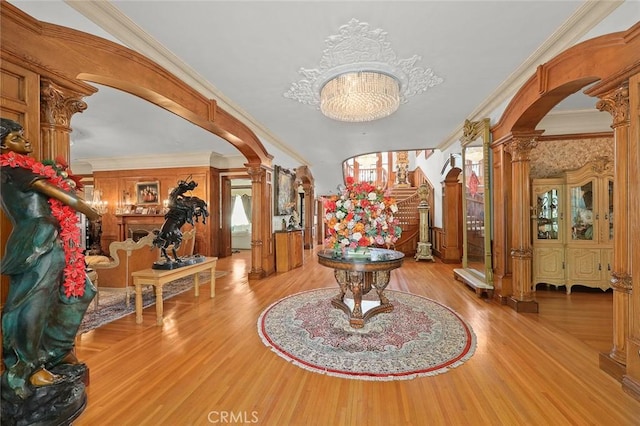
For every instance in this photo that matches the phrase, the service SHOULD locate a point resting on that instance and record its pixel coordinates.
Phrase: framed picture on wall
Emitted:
(284, 195)
(147, 192)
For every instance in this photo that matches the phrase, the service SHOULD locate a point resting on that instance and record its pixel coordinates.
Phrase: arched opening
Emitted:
(613, 60)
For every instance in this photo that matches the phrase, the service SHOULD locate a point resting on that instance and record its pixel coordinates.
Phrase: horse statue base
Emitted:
(180, 262)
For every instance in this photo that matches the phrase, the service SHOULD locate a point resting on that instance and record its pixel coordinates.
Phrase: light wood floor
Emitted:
(207, 364)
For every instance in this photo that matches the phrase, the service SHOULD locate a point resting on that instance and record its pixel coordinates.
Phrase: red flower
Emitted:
(62, 163)
(74, 272)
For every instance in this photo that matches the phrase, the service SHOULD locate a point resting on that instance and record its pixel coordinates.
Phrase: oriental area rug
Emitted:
(420, 337)
(113, 305)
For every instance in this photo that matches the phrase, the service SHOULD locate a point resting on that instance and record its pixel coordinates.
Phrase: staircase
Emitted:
(407, 200)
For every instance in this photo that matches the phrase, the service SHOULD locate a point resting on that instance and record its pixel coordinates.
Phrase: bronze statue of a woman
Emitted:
(49, 291)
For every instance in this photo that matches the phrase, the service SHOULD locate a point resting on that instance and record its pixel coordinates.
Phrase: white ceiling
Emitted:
(246, 55)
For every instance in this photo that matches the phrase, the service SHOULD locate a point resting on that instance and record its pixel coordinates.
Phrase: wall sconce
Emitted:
(97, 204)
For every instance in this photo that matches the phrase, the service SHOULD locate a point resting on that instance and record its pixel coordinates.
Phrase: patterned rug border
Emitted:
(467, 353)
(107, 313)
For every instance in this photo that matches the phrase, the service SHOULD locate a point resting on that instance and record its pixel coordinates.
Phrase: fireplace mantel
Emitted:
(128, 224)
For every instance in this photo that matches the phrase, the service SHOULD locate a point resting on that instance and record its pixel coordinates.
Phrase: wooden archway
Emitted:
(61, 54)
(612, 64)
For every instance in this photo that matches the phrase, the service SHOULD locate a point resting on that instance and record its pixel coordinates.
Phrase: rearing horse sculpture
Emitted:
(182, 209)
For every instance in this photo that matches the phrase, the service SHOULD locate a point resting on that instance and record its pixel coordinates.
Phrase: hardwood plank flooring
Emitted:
(206, 364)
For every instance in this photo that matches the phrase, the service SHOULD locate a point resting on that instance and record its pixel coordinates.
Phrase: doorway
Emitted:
(240, 215)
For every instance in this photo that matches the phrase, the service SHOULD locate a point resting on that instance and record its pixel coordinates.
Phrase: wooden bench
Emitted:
(158, 278)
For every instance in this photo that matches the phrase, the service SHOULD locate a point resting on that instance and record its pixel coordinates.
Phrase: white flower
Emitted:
(345, 242)
(394, 208)
(372, 196)
(340, 214)
(347, 204)
(337, 226)
(356, 236)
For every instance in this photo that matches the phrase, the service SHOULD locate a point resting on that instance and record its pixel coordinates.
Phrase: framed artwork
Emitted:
(147, 192)
(284, 189)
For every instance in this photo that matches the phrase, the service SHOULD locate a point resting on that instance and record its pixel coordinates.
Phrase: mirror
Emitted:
(476, 268)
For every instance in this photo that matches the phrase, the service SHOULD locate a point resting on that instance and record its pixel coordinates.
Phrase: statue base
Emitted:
(423, 252)
(179, 263)
(57, 404)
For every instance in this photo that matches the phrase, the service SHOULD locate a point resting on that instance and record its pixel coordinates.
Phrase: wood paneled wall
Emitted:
(113, 184)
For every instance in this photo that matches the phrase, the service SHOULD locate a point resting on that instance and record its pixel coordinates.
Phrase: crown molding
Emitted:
(588, 15)
(159, 161)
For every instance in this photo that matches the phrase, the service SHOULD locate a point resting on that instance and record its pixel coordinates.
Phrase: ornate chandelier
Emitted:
(360, 77)
(360, 96)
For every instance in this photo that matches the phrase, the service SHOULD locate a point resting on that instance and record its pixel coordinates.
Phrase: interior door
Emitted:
(225, 221)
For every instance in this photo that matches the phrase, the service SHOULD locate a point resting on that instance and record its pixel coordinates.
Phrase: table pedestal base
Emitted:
(359, 284)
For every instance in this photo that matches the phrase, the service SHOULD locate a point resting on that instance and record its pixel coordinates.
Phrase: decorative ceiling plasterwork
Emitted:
(358, 48)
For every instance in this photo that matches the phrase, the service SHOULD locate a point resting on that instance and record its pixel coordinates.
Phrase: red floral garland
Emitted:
(74, 271)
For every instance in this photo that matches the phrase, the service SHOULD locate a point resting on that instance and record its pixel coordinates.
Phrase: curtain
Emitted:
(246, 204)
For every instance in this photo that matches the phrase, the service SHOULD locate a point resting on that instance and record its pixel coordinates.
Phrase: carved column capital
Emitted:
(521, 145)
(616, 103)
(621, 281)
(255, 172)
(58, 104)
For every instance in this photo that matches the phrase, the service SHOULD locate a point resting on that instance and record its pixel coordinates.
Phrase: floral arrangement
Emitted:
(362, 215)
(58, 174)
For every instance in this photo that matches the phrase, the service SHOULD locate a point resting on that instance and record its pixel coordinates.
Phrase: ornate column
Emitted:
(424, 246)
(616, 103)
(260, 220)
(57, 105)
(631, 378)
(521, 252)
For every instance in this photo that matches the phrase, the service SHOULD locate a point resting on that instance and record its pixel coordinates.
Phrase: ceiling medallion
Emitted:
(361, 59)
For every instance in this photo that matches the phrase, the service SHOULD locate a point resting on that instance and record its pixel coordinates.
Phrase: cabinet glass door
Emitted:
(609, 218)
(581, 212)
(547, 204)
